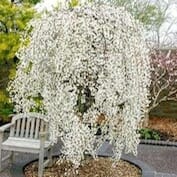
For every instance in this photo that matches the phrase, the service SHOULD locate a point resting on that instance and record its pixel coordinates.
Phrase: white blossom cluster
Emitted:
(91, 56)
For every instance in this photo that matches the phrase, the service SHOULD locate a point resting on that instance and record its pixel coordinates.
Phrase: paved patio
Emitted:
(162, 158)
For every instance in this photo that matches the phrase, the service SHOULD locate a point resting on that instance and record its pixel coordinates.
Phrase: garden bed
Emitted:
(166, 128)
(90, 168)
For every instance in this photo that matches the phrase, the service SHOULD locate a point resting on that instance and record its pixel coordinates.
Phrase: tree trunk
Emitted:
(146, 119)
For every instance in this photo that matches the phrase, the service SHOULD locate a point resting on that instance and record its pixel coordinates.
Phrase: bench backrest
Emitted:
(28, 125)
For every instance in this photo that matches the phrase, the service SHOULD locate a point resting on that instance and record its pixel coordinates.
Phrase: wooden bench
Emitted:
(28, 133)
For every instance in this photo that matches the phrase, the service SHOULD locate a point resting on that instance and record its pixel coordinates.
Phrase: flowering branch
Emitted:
(164, 76)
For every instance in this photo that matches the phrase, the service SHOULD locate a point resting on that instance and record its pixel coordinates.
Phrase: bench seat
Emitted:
(24, 145)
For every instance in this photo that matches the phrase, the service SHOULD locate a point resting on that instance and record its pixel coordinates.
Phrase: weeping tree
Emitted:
(89, 68)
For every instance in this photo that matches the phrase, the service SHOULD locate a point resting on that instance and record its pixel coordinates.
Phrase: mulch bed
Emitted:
(102, 167)
(165, 127)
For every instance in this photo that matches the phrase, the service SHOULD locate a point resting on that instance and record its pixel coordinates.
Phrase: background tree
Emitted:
(13, 20)
(164, 74)
(163, 57)
(144, 11)
(154, 15)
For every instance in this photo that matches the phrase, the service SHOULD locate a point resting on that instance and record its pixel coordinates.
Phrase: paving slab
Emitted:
(162, 158)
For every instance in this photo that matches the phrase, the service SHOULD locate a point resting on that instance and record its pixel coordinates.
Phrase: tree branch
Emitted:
(157, 95)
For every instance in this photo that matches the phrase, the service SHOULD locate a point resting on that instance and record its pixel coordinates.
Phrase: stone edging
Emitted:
(159, 143)
(147, 171)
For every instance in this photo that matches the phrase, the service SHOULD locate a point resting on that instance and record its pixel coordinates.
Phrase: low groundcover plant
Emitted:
(84, 63)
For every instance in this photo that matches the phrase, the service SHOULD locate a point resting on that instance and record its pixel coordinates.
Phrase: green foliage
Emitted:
(147, 133)
(9, 44)
(73, 3)
(28, 69)
(6, 108)
(13, 21)
(30, 1)
(85, 100)
(149, 14)
(38, 104)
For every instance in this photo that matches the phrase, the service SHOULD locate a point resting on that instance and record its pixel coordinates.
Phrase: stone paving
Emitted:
(164, 175)
(162, 159)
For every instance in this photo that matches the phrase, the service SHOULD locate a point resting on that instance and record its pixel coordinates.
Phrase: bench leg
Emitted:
(11, 157)
(50, 156)
(41, 164)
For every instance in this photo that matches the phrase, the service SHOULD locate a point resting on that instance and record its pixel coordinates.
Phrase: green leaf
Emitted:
(74, 3)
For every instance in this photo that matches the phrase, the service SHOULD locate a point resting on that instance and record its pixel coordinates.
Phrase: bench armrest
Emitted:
(43, 137)
(6, 126)
(43, 134)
